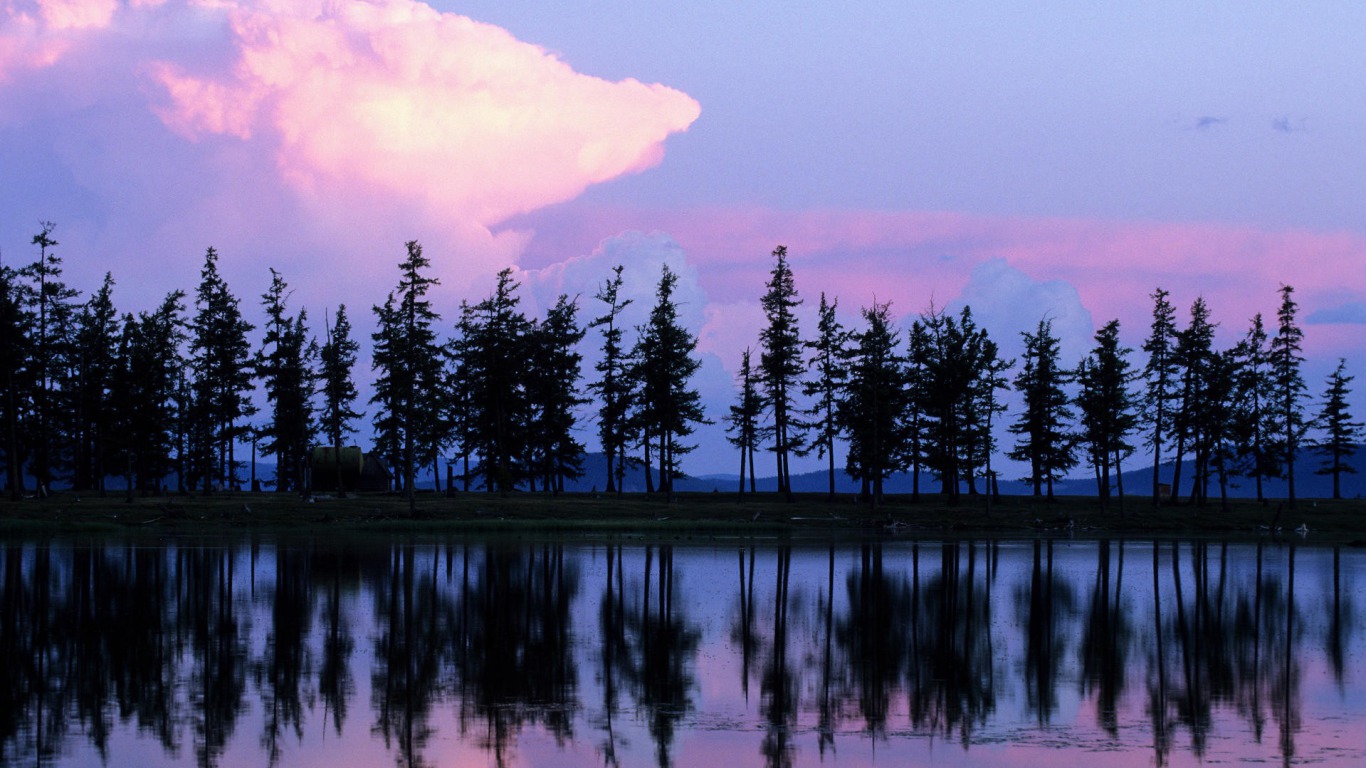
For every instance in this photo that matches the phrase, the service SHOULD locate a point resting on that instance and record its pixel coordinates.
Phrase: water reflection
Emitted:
(416, 653)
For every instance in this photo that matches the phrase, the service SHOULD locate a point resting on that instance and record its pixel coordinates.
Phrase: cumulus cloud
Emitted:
(315, 135)
(1007, 302)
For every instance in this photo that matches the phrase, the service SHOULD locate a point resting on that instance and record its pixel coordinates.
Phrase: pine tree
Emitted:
(53, 309)
(952, 356)
(1045, 442)
(147, 396)
(1340, 434)
(828, 352)
(1106, 407)
(221, 361)
(96, 346)
(338, 360)
(16, 357)
(1195, 359)
(613, 386)
(408, 362)
(553, 377)
(669, 409)
(743, 420)
(1254, 424)
(874, 411)
(1160, 374)
(1286, 357)
(780, 364)
(285, 365)
(495, 358)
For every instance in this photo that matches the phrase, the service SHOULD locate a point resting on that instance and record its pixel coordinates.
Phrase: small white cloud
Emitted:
(1007, 302)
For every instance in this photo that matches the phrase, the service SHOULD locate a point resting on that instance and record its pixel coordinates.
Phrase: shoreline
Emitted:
(688, 515)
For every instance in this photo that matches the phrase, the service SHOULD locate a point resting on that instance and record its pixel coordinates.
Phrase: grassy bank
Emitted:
(689, 514)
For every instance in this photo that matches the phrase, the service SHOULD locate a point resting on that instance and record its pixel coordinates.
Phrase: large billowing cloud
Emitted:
(313, 135)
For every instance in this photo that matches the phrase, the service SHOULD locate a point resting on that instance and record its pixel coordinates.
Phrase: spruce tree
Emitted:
(828, 352)
(285, 365)
(743, 419)
(873, 413)
(1195, 360)
(669, 408)
(495, 353)
(1286, 358)
(221, 362)
(337, 360)
(553, 373)
(16, 359)
(408, 361)
(613, 387)
(53, 308)
(780, 364)
(1046, 441)
(95, 350)
(1340, 434)
(1160, 374)
(146, 396)
(1254, 426)
(1106, 409)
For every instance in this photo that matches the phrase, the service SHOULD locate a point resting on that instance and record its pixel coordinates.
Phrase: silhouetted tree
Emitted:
(221, 362)
(53, 309)
(15, 356)
(408, 360)
(669, 409)
(875, 406)
(1340, 433)
(613, 387)
(1195, 360)
(743, 420)
(553, 374)
(780, 363)
(1046, 442)
(1107, 416)
(1254, 419)
(828, 353)
(145, 394)
(337, 359)
(494, 369)
(285, 365)
(95, 349)
(1160, 373)
(1286, 358)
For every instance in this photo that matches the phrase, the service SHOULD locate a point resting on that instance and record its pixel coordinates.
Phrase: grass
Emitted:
(703, 514)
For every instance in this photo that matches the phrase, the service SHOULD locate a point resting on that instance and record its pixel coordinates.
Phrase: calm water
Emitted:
(466, 653)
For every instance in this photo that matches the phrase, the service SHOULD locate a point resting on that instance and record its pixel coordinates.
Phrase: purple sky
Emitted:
(1059, 160)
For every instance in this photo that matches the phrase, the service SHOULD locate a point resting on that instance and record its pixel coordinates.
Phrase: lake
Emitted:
(569, 651)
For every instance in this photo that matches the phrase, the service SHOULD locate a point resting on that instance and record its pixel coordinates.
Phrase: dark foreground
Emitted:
(687, 515)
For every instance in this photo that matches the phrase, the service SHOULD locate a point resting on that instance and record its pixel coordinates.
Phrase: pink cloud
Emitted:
(397, 97)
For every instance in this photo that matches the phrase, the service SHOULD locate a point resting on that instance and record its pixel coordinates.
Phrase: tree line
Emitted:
(160, 396)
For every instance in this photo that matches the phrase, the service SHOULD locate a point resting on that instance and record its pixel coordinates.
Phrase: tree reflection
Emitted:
(286, 662)
(1046, 603)
(874, 636)
(664, 647)
(1106, 639)
(404, 680)
(513, 655)
(206, 612)
(952, 671)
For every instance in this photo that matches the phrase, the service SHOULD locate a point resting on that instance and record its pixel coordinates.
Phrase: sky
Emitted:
(1058, 161)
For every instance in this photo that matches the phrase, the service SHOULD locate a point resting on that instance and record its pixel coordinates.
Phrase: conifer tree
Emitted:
(951, 361)
(1254, 426)
(15, 361)
(495, 358)
(1046, 442)
(873, 413)
(743, 420)
(553, 375)
(1106, 407)
(828, 352)
(613, 386)
(1161, 376)
(337, 362)
(780, 364)
(146, 396)
(1194, 358)
(669, 408)
(1340, 434)
(408, 362)
(1286, 358)
(53, 310)
(95, 350)
(221, 362)
(285, 366)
